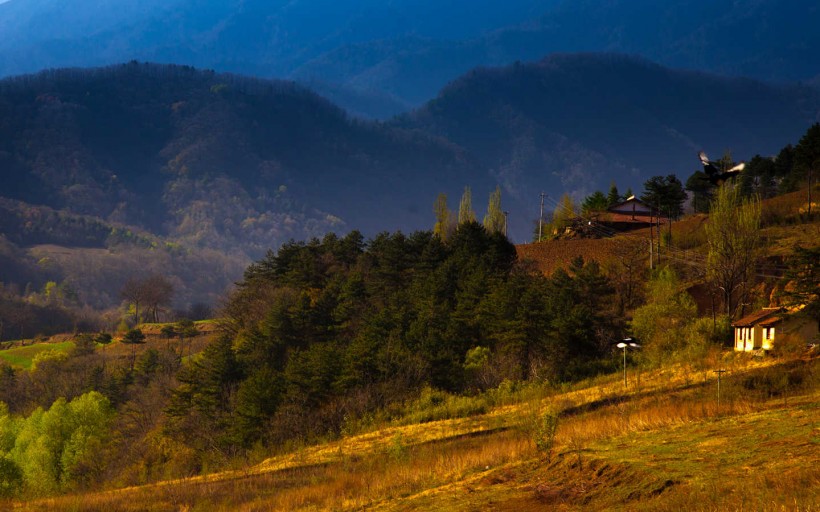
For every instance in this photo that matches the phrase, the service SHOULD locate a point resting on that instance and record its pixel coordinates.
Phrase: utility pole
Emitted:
(541, 215)
(506, 214)
(659, 234)
(719, 373)
(809, 212)
(651, 241)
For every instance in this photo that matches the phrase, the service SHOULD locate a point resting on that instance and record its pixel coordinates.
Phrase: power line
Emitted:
(688, 257)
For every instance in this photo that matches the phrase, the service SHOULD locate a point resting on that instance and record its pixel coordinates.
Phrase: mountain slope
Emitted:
(766, 40)
(215, 160)
(576, 122)
(406, 49)
(229, 162)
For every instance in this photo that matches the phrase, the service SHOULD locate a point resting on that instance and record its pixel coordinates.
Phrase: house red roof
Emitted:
(771, 321)
(756, 317)
(638, 218)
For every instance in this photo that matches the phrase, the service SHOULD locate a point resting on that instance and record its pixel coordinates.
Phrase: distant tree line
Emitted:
(791, 168)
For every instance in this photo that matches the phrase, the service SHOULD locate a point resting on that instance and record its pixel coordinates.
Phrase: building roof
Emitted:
(631, 200)
(771, 321)
(756, 317)
(638, 218)
(643, 209)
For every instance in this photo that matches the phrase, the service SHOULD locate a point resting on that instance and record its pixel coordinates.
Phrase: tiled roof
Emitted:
(756, 317)
(771, 321)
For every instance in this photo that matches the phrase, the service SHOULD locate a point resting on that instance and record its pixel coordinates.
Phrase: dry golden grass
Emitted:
(646, 447)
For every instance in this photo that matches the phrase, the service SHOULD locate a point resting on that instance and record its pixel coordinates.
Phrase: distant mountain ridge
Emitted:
(209, 159)
(224, 161)
(402, 53)
(576, 122)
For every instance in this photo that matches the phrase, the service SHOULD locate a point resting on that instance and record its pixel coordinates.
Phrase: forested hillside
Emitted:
(223, 161)
(206, 159)
(574, 123)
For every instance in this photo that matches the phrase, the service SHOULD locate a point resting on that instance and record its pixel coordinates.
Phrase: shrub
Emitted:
(433, 405)
(544, 433)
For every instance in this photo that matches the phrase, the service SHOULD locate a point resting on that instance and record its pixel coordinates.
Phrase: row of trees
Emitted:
(763, 176)
(448, 221)
(151, 293)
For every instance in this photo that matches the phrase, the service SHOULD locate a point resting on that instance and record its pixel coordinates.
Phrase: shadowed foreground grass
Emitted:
(665, 446)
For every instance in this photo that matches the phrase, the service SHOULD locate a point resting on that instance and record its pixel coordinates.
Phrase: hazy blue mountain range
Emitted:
(229, 162)
(212, 160)
(575, 122)
(380, 58)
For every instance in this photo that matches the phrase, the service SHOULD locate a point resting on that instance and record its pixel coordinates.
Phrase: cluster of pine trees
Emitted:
(332, 329)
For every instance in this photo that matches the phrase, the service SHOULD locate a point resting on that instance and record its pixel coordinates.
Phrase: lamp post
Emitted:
(627, 343)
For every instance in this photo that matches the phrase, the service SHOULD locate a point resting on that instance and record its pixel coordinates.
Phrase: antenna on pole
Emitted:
(541, 216)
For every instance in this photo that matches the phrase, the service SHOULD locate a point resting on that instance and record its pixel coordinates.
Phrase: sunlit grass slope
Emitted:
(22, 357)
(664, 443)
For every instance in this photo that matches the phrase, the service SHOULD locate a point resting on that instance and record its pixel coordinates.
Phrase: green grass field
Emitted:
(22, 357)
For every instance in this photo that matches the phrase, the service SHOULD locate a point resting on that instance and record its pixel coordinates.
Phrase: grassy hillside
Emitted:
(663, 443)
(783, 221)
(23, 356)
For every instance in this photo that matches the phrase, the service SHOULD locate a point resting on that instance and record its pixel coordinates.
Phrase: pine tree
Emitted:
(613, 197)
(596, 202)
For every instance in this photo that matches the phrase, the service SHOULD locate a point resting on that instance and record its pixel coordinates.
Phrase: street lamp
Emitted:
(627, 343)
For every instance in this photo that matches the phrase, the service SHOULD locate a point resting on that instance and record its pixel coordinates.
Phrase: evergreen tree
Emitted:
(801, 289)
(701, 188)
(665, 194)
(596, 202)
(613, 197)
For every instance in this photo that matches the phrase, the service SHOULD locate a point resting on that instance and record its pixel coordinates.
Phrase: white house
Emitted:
(760, 329)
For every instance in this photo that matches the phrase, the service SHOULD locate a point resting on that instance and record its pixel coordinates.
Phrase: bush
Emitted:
(433, 405)
(544, 433)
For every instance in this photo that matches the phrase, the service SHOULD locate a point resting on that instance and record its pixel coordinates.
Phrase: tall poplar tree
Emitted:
(442, 216)
(465, 208)
(494, 220)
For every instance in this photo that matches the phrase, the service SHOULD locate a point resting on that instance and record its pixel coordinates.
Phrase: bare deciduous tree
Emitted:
(733, 237)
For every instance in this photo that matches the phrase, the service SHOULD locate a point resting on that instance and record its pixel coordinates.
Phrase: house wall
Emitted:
(768, 337)
(805, 328)
(755, 337)
(628, 208)
(748, 338)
